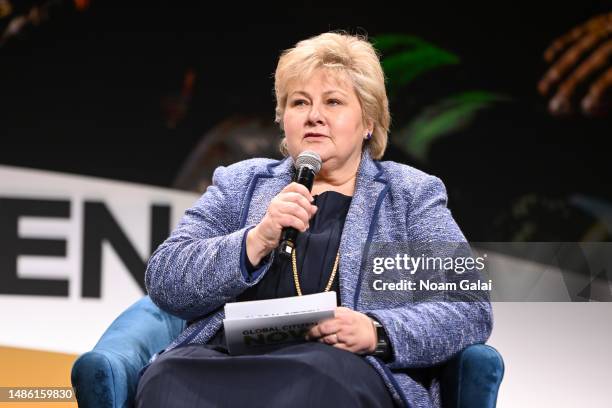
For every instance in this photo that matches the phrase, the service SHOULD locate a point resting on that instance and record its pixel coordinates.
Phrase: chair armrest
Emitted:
(472, 378)
(107, 376)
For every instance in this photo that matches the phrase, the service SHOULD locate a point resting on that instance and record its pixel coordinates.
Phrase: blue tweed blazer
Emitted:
(198, 268)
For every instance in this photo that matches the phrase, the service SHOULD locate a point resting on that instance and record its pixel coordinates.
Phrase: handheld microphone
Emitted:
(307, 166)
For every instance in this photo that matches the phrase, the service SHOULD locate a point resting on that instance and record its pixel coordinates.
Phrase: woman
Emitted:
(331, 99)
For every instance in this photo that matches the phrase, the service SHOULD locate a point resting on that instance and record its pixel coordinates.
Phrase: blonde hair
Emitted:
(339, 53)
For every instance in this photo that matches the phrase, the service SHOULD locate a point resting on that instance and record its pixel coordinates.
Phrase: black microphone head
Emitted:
(309, 159)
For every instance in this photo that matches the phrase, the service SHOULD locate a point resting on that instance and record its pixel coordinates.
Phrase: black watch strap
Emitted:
(383, 346)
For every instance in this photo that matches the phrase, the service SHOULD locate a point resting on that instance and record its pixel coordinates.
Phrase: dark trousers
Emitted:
(302, 375)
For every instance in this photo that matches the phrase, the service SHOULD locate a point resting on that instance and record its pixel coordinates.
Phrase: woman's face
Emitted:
(323, 114)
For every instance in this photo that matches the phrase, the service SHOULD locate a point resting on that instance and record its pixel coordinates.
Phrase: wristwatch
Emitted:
(383, 346)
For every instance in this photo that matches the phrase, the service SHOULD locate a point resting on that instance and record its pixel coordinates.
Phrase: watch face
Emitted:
(382, 345)
(380, 332)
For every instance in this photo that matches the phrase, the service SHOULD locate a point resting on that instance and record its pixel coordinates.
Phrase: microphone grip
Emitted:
(305, 176)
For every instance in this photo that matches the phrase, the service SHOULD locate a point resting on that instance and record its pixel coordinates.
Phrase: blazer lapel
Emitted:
(361, 219)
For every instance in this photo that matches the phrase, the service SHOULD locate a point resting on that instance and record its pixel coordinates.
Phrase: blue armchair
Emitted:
(106, 377)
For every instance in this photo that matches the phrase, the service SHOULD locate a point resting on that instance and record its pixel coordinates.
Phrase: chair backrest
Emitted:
(108, 375)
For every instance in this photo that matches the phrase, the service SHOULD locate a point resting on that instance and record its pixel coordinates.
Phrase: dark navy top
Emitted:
(316, 250)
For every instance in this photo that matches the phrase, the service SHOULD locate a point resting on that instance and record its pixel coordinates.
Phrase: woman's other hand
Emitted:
(290, 208)
(348, 330)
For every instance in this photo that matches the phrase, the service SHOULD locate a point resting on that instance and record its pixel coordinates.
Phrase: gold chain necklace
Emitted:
(295, 273)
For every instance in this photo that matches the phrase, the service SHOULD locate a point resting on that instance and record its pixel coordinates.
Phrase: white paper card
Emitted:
(258, 326)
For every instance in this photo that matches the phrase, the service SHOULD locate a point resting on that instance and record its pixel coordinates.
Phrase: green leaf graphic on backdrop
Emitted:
(442, 118)
(406, 57)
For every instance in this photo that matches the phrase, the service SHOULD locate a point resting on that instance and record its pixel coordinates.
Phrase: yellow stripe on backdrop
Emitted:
(26, 368)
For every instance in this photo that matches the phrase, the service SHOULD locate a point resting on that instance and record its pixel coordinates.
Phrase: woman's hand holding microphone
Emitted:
(290, 208)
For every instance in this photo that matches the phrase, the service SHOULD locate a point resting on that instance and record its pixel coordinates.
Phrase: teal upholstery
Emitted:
(472, 378)
(107, 376)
